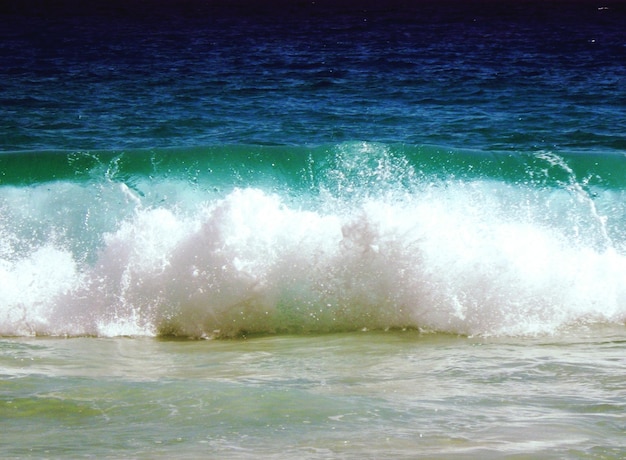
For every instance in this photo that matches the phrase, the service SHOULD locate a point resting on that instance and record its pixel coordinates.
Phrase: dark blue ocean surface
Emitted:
(489, 75)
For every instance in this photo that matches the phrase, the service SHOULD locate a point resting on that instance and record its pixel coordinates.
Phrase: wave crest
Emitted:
(373, 241)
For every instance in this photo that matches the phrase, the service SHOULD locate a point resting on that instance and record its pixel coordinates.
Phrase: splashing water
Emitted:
(358, 236)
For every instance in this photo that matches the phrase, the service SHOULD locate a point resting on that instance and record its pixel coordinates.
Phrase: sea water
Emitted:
(312, 229)
(355, 395)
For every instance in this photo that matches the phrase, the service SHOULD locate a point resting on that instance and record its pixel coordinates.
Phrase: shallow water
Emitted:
(357, 395)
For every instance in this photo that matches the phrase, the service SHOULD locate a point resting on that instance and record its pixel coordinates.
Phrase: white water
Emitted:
(475, 258)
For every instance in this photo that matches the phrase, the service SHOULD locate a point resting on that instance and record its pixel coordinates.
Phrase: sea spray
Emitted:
(346, 237)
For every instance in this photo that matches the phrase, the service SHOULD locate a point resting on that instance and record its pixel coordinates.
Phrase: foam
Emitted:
(475, 257)
(28, 287)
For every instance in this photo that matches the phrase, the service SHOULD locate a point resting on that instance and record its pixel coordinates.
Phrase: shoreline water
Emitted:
(366, 394)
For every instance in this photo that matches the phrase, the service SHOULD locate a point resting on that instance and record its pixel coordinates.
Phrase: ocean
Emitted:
(313, 229)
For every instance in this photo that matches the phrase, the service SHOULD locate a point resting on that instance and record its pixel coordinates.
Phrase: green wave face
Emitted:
(302, 167)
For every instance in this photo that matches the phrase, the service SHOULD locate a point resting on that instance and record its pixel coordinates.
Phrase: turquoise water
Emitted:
(315, 230)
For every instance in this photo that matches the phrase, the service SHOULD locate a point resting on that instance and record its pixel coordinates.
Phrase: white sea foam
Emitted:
(463, 257)
(29, 287)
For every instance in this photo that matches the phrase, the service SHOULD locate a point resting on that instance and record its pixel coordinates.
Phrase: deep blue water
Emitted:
(494, 75)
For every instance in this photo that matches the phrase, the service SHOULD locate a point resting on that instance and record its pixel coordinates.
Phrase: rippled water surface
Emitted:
(360, 395)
